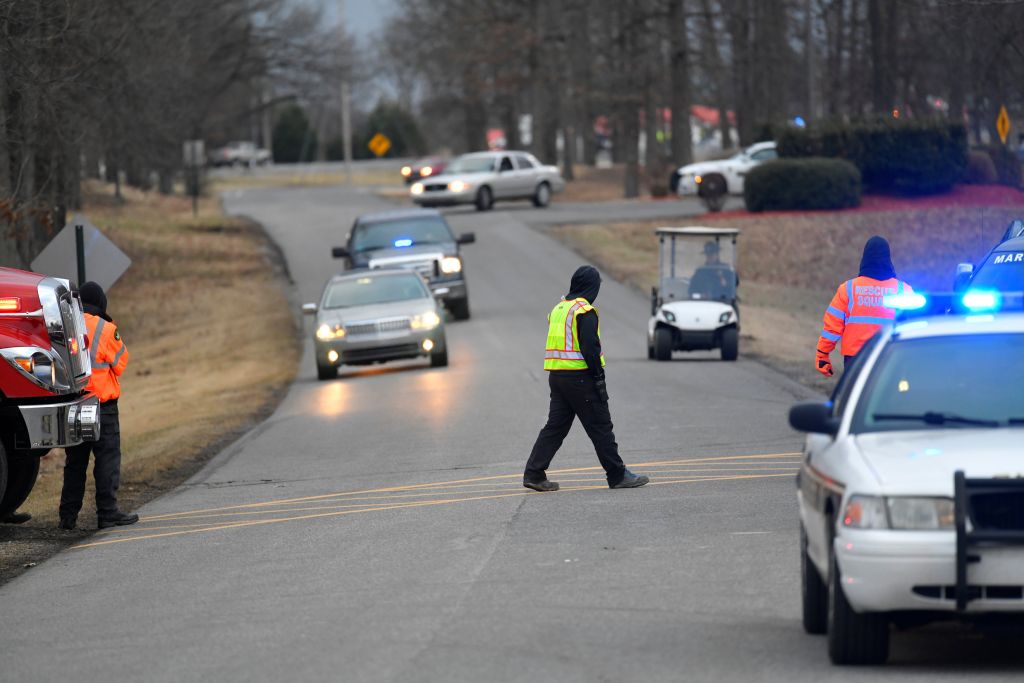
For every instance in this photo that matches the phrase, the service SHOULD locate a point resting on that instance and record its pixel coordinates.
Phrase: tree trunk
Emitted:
(679, 65)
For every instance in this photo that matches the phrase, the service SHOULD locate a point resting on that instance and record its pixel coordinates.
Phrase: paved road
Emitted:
(374, 527)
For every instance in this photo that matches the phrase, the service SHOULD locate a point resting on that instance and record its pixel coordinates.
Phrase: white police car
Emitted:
(911, 493)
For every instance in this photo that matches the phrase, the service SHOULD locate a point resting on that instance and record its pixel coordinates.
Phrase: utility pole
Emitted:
(346, 102)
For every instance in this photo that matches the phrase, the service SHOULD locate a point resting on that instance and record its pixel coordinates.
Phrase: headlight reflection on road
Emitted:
(333, 399)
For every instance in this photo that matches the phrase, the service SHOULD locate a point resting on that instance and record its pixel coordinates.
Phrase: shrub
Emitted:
(811, 183)
(294, 139)
(1007, 164)
(907, 157)
(980, 169)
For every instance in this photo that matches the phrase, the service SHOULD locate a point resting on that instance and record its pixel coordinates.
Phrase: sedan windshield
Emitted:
(471, 164)
(400, 233)
(945, 382)
(1002, 271)
(370, 290)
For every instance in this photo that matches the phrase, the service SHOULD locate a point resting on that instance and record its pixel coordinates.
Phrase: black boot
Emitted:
(16, 518)
(67, 523)
(542, 486)
(631, 481)
(117, 519)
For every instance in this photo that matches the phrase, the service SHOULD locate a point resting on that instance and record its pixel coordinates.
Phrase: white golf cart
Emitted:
(695, 306)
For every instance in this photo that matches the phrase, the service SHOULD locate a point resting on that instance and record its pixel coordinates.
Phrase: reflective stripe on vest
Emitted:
(563, 352)
(866, 311)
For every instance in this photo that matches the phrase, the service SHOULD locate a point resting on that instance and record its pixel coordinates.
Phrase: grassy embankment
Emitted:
(790, 265)
(213, 346)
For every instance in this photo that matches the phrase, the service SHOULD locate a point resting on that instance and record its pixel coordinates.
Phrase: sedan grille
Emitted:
(435, 187)
(1001, 511)
(360, 328)
(392, 325)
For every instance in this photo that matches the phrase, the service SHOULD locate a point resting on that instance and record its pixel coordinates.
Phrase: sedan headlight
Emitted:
(459, 186)
(426, 321)
(451, 264)
(328, 332)
(417, 188)
(899, 513)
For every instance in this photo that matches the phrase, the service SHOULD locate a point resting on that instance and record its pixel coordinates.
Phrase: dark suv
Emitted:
(416, 239)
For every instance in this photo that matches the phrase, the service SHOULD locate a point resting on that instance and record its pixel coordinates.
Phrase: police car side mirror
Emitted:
(339, 252)
(467, 238)
(813, 417)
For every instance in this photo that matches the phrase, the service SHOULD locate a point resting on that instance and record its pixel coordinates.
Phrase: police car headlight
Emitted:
(451, 265)
(865, 512)
(670, 316)
(921, 514)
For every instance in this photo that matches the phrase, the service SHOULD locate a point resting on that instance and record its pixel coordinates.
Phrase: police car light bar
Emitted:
(973, 301)
(981, 301)
(905, 302)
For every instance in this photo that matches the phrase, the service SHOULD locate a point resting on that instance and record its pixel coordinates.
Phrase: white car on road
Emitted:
(483, 177)
(911, 493)
(723, 176)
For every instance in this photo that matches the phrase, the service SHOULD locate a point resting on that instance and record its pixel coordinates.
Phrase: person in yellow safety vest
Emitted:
(857, 310)
(575, 366)
(109, 357)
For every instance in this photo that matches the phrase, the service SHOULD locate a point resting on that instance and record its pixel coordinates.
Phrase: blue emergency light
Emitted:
(905, 302)
(404, 242)
(981, 301)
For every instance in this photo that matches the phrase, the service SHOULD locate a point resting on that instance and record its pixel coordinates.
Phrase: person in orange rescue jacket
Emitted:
(109, 357)
(857, 310)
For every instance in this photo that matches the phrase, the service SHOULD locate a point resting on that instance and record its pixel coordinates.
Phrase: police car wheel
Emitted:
(484, 199)
(857, 639)
(814, 592)
(459, 309)
(663, 344)
(21, 479)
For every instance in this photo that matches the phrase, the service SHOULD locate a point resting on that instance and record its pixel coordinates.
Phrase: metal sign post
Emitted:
(80, 253)
(194, 156)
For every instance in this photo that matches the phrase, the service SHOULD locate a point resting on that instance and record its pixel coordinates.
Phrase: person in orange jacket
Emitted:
(857, 310)
(109, 357)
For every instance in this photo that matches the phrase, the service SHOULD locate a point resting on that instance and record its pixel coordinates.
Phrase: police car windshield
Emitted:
(370, 290)
(401, 233)
(950, 382)
(1002, 271)
(472, 164)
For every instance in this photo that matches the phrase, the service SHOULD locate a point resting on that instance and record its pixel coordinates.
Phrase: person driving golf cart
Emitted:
(714, 280)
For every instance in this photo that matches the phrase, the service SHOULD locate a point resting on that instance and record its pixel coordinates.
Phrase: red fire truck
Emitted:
(45, 367)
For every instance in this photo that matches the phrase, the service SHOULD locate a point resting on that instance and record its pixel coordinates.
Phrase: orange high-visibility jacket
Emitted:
(857, 312)
(109, 357)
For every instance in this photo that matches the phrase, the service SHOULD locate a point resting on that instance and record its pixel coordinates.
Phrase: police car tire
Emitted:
(459, 309)
(662, 344)
(730, 343)
(484, 199)
(326, 371)
(21, 479)
(814, 592)
(857, 639)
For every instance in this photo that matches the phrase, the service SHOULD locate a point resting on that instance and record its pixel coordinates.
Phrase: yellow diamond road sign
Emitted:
(1003, 124)
(379, 144)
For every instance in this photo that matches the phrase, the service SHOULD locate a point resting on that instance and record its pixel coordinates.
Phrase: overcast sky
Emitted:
(362, 16)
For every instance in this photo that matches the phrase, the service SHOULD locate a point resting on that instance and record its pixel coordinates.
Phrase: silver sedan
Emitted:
(375, 316)
(482, 178)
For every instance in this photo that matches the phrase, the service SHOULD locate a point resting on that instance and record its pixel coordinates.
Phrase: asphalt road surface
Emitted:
(375, 529)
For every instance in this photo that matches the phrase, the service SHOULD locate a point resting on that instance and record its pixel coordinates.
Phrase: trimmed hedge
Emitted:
(811, 183)
(980, 169)
(901, 156)
(1007, 164)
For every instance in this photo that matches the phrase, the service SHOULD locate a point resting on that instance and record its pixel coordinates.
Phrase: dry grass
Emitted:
(282, 176)
(791, 264)
(213, 345)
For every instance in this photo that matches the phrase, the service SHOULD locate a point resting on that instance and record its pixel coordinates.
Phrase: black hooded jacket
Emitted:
(585, 284)
(94, 300)
(876, 263)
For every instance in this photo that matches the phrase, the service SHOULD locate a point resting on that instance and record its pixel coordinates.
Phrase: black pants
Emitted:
(573, 395)
(106, 470)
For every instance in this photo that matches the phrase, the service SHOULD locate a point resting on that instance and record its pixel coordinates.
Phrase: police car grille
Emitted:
(998, 511)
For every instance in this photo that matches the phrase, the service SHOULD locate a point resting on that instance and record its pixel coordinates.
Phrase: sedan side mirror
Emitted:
(340, 252)
(309, 309)
(814, 418)
(467, 238)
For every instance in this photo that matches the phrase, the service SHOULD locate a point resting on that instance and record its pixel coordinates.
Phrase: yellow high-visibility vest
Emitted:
(563, 349)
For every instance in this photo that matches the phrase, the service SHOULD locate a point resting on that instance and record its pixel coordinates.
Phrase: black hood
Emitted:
(876, 263)
(94, 300)
(586, 283)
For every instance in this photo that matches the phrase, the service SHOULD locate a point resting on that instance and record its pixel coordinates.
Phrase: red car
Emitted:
(423, 168)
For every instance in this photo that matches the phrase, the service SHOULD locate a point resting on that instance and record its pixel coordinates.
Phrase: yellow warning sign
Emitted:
(1003, 124)
(379, 144)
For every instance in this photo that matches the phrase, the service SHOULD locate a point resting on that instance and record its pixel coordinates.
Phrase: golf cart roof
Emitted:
(706, 232)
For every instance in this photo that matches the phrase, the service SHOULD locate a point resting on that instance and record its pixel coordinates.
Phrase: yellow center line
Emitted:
(411, 487)
(399, 506)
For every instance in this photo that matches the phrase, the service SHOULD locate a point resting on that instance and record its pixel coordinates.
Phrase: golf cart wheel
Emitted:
(713, 192)
(730, 343)
(542, 196)
(663, 344)
(484, 199)
(326, 371)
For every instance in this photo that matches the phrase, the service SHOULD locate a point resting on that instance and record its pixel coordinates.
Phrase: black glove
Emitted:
(602, 389)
